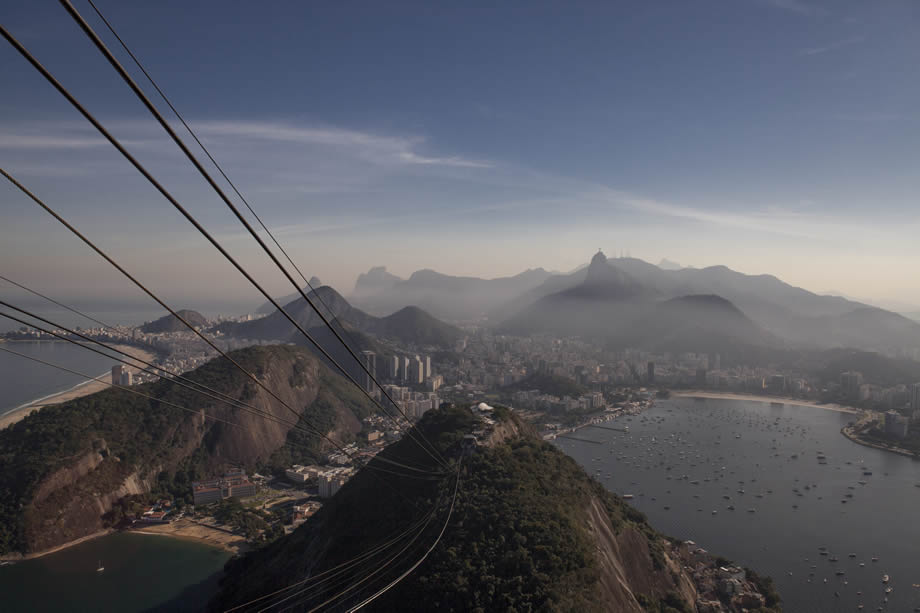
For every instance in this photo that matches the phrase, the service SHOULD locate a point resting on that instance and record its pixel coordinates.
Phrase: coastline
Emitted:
(759, 398)
(190, 530)
(853, 435)
(847, 431)
(18, 557)
(84, 388)
(182, 529)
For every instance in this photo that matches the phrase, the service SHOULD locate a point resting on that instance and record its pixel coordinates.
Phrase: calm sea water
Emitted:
(142, 572)
(745, 451)
(23, 380)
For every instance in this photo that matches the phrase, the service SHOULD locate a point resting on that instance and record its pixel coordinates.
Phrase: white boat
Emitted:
(101, 567)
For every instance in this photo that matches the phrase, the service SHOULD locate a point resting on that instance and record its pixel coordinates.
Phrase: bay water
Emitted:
(687, 461)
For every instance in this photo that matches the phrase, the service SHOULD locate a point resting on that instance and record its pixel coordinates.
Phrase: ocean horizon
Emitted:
(24, 382)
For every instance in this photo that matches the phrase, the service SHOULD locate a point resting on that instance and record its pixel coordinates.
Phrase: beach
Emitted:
(756, 398)
(78, 391)
(192, 530)
(185, 529)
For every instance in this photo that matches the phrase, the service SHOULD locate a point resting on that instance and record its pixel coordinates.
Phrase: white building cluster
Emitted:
(331, 480)
(410, 370)
(121, 376)
(413, 404)
(328, 479)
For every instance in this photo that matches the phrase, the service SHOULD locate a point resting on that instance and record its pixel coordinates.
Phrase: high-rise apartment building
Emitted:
(393, 367)
(915, 396)
(416, 371)
(369, 359)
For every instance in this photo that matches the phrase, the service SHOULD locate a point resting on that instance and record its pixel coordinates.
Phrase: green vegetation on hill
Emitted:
(307, 448)
(90, 446)
(125, 427)
(550, 384)
(518, 540)
(170, 323)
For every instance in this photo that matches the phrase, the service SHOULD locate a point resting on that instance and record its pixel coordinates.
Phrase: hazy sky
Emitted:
(776, 136)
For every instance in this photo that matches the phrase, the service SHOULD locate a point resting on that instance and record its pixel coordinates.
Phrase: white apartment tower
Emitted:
(369, 359)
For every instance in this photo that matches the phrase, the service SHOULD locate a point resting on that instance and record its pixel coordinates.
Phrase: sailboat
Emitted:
(101, 567)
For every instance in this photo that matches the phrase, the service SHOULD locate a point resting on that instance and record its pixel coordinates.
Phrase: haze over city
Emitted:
(770, 136)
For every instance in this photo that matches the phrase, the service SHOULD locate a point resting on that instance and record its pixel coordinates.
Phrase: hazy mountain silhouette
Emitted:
(697, 323)
(408, 325)
(268, 307)
(666, 264)
(604, 281)
(445, 296)
(373, 282)
(170, 323)
(610, 304)
(605, 299)
(796, 316)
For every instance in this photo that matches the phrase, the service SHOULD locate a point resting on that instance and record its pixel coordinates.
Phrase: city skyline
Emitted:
(773, 137)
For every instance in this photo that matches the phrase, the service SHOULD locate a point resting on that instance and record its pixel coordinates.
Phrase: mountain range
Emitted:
(623, 300)
(409, 325)
(447, 297)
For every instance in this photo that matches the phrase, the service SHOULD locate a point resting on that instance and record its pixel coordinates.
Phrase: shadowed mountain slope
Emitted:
(409, 325)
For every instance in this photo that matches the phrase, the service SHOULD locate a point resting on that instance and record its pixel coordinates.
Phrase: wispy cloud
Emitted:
(772, 221)
(279, 156)
(414, 158)
(376, 148)
(66, 136)
(40, 141)
(832, 46)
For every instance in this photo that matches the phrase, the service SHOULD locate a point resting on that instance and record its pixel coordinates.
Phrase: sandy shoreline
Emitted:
(82, 389)
(184, 529)
(755, 398)
(191, 530)
(16, 557)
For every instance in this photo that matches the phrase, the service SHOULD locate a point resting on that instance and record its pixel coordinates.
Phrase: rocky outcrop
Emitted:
(627, 567)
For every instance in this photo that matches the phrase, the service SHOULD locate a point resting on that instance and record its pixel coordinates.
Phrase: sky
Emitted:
(770, 136)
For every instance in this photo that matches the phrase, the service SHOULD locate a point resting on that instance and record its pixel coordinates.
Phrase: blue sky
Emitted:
(776, 136)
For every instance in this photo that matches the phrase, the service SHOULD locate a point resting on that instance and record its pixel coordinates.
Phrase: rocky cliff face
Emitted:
(70, 463)
(627, 567)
